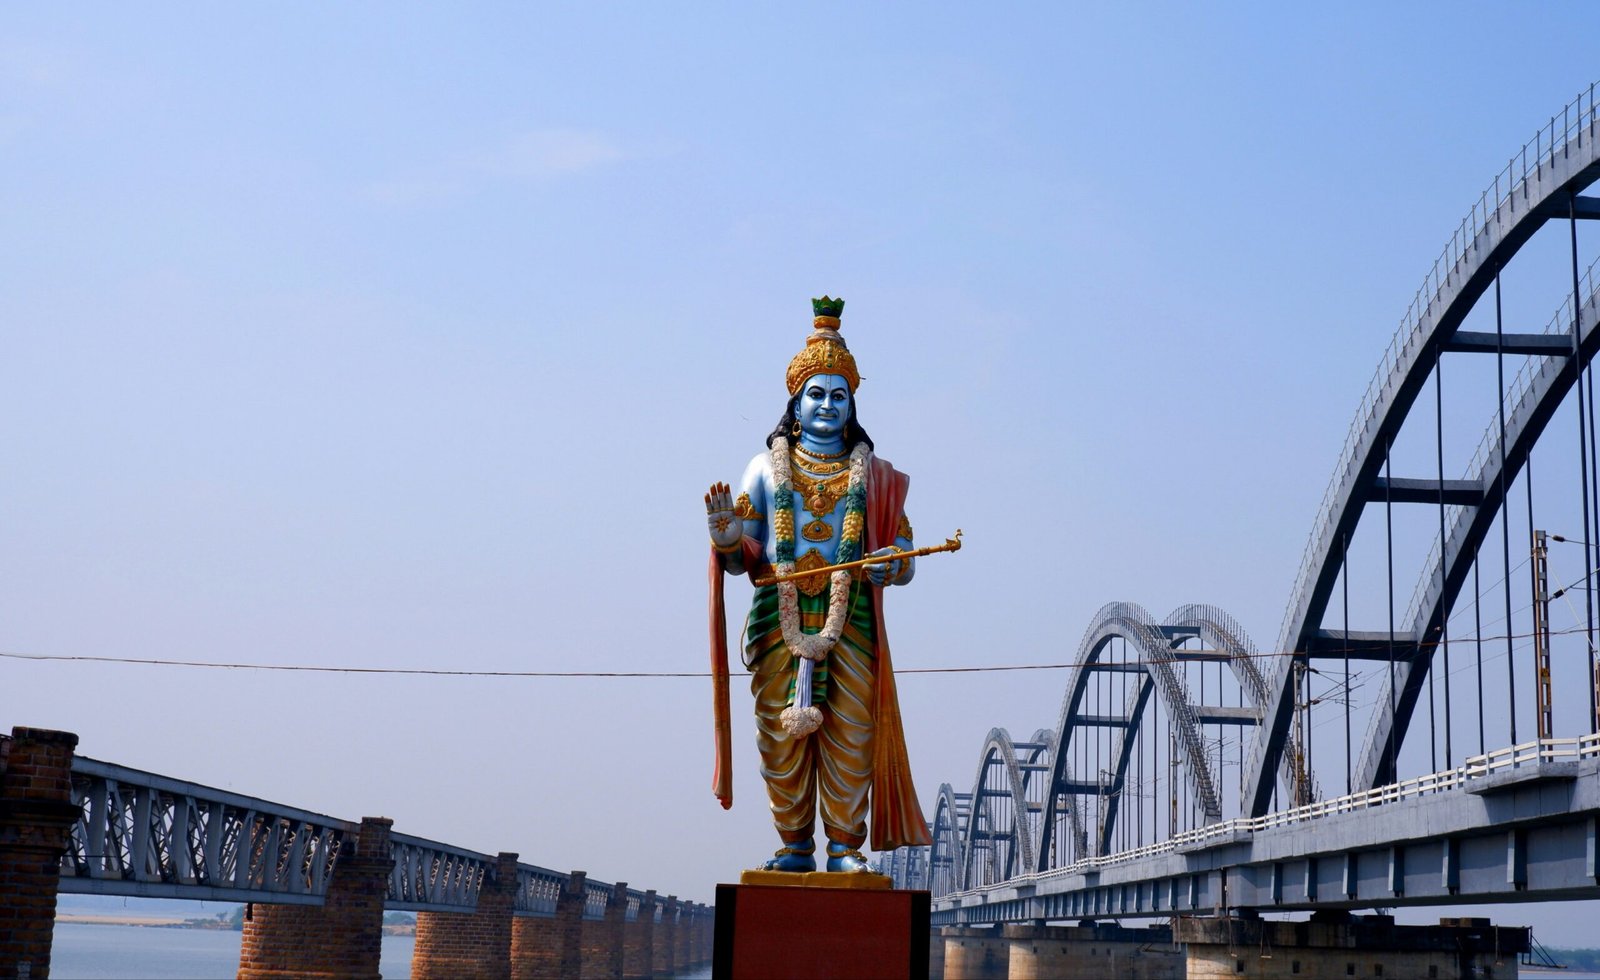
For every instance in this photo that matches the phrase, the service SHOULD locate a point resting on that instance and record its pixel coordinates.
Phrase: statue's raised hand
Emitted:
(726, 529)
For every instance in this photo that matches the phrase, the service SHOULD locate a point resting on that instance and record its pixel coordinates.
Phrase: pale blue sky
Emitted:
(410, 336)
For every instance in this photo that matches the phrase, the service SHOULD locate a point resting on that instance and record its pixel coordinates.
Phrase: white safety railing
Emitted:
(1474, 768)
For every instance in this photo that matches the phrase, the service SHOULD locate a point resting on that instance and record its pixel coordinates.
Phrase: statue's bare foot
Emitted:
(843, 857)
(794, 857)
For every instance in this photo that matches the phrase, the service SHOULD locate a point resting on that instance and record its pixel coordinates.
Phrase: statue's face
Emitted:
(824, 405)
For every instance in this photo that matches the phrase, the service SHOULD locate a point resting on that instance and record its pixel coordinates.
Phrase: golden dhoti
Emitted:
(830, 768)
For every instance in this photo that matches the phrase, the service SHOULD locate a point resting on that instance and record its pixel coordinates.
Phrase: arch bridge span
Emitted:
(1188, 766)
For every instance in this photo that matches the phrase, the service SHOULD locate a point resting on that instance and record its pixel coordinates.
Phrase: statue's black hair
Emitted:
(853, 432)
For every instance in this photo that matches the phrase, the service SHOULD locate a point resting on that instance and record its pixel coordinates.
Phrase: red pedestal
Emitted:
(772, 932)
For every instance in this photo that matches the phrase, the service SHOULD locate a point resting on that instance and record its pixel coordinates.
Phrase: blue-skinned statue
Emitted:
(827, 715)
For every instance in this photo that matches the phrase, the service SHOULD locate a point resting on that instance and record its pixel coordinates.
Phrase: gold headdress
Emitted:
(825, 351)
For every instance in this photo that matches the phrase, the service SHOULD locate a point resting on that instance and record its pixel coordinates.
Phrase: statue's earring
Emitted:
(794, 430)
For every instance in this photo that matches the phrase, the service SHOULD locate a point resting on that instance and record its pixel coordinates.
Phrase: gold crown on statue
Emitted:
(825, 351)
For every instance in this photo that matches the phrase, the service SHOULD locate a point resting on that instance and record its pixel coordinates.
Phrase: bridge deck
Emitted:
(1518, 824)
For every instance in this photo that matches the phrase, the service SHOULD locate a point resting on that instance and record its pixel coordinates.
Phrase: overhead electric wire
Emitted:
(442, 672)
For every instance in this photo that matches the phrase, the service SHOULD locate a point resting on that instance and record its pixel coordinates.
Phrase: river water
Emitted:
(84, 951)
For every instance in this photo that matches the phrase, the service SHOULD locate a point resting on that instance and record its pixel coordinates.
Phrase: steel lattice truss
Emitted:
(429, 876)
(140, 833)
(144, 834)
(1028, 812)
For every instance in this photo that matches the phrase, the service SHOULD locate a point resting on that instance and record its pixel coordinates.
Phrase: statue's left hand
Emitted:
(883, 571)
(726, 529)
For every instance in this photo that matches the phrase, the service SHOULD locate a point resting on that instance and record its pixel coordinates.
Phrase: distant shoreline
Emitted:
(156, 921)
(179, 922)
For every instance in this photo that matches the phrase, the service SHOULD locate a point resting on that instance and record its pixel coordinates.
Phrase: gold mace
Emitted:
(950, 544)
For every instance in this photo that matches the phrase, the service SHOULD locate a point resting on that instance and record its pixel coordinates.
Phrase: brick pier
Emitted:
(340, 937)
(470, 945)
(36, 816)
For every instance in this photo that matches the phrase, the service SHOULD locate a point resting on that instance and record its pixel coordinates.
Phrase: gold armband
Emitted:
(743, 509)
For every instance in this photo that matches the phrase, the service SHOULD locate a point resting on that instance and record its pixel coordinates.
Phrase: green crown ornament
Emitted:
(827, 306)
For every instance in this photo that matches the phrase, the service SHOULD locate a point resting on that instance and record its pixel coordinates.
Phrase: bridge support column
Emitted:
(936, 953)
(639, 938)
(687, 935)
(669, 939)
(709, 934)
(1338, 945)
(339, 938)
(602, 940)
(1092, 950)
(684, 950)
(700, 935)
(551, 947)
(470, 945)
(976, 954)
(36, 817)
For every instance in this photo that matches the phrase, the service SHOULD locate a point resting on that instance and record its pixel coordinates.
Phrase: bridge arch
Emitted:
(1530, 407)
(1524, 197)
(1132, 624)
(944, 855)
(1001, 825)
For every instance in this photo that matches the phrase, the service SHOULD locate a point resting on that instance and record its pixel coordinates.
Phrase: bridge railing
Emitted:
(1476, 767)
(433, 877)
(140, 833)
(596, 895)
(538, 890)
(1564, 133)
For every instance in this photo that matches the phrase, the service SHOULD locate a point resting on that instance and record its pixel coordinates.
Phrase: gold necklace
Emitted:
(841, 454)
(818, 468)
(821, 496)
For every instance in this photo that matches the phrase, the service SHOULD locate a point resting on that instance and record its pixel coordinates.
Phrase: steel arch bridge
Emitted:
(1135, 769)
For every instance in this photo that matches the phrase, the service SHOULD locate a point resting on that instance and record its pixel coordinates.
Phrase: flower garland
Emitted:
(802, 718)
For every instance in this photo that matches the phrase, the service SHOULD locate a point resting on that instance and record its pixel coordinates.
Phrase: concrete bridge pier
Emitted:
(936, 953)
(1090, 950)
(551, 947)
(981, 953)
(1337, 944)
(36, 818)
(470, 945)
(339, 938)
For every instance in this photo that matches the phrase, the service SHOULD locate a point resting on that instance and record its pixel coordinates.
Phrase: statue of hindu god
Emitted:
(827, 714)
